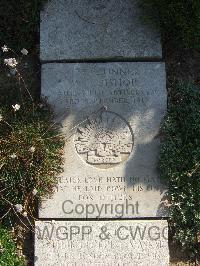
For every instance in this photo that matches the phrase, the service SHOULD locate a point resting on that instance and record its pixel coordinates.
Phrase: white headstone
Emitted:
(110, 115)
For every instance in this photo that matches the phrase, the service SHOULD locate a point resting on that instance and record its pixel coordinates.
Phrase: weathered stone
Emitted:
(102, 243)
(110, 116)
(108, 29)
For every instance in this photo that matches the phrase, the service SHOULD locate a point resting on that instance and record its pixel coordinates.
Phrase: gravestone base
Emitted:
(102, 243)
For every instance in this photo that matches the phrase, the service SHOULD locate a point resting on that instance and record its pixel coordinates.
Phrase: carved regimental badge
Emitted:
(98, 11)
(104, 140)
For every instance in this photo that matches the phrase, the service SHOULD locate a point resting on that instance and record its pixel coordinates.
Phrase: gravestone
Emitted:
(110, 103)
(97, 30)
(110, 115)
(102, 243)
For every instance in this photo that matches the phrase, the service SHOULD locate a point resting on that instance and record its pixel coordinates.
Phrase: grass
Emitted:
(31, 147)
(29, 169)
(8, 250)
(180, 163)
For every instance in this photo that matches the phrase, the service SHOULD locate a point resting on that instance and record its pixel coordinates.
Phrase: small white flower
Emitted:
(18, 208)
(13, 156)
(5, 49)
(16, 107)
(1, 250)
(32, 149)
(25, 214)
(24, 51)
(35, 192)
(1, 117)
(11, 62)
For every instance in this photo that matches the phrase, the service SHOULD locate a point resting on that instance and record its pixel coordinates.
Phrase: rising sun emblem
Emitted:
(104, 140)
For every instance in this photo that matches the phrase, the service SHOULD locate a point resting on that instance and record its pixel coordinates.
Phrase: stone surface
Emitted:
(110, 115)
(97, 29)
(102, 243)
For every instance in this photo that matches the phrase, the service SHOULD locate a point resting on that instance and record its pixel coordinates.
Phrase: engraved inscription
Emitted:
(104, 140)
(98, 11)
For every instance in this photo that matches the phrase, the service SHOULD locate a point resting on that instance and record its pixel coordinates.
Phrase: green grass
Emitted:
(29, 170)
(180, 163)
(8, 250)
(31, 145)
(29, 133)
